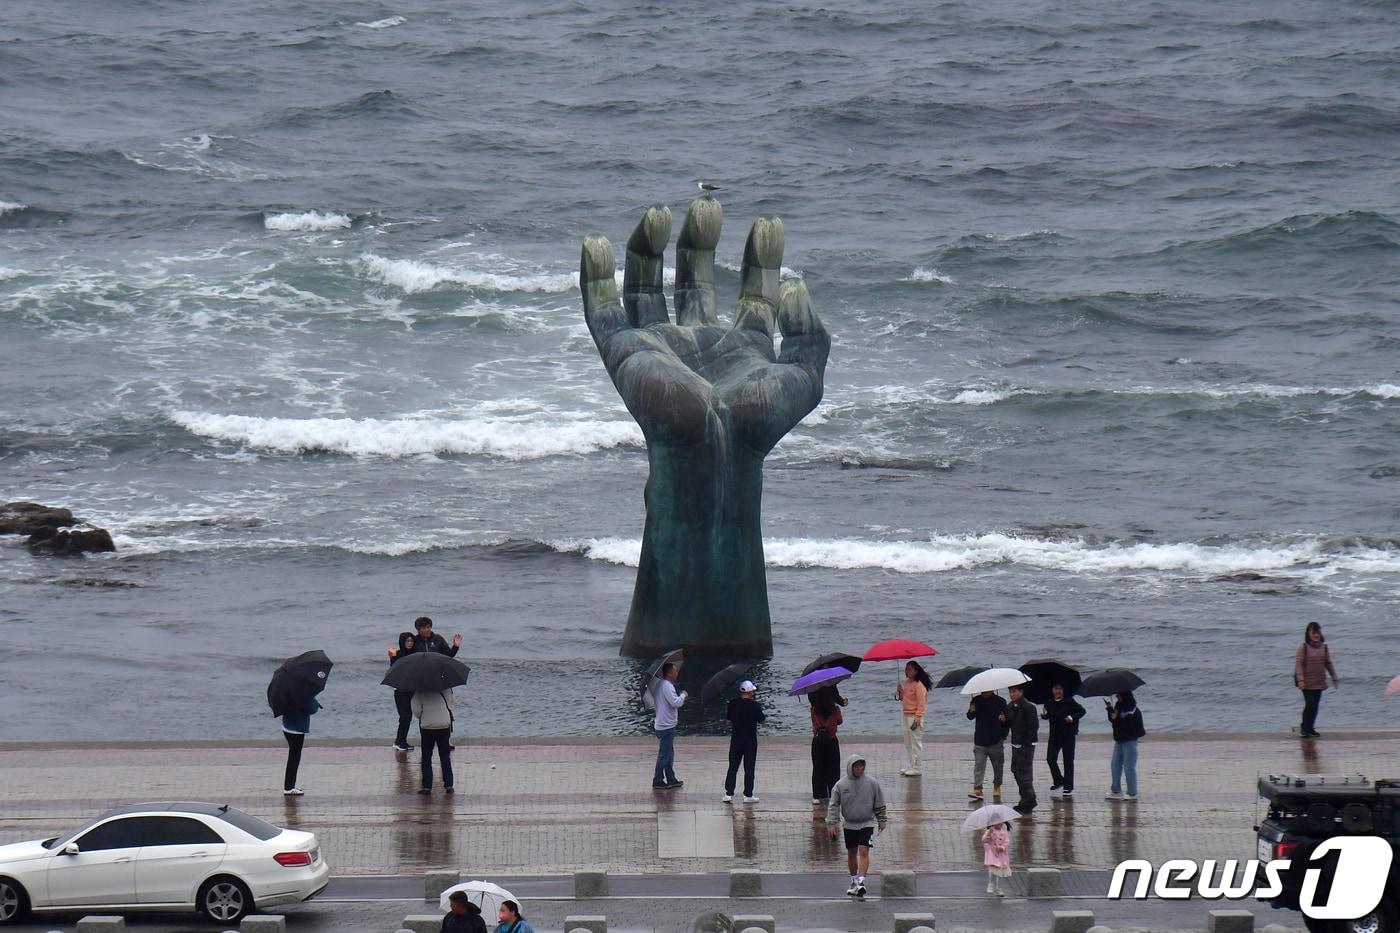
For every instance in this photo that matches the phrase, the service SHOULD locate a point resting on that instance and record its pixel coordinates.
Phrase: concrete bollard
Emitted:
(423, 923)
(1274, 928)
(101, 922)
(1230, 921)
(897, 884)
(745, 882)
(1044, 882)
(437, 880)
(593, 923)
(1098, 928)
(908, 923)
(1071, 921)
(922, 930)
(765, 923)
(589, 884)
(263, 923)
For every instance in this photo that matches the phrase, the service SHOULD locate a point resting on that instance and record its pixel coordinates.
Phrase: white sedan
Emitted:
(163, 856)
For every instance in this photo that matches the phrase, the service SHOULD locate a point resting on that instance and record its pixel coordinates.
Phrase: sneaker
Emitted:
(1067, 793)
(1001, 893)
(750, 800)
(975, 794)
(860, 892)
(851, 891)
(911, 772)
(818, 800)
(1055, 787)
(425, 790)
(672, 785)
(990, 889)
(402, 748)
(293, 792)
(1312, 734)
(660, 785)
(727, 798)
(996, 795)
(448, 790)
(1113, 795)
(1130, 796)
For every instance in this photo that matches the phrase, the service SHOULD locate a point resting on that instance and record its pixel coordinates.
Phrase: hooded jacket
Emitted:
(433, 709)
(856, 800)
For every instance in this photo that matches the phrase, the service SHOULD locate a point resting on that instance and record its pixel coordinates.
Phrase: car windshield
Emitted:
(259, 829)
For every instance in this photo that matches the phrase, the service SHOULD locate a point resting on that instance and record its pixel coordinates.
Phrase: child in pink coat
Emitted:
(996, 852)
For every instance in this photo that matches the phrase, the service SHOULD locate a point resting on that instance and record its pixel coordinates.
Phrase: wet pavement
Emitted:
(552, 806)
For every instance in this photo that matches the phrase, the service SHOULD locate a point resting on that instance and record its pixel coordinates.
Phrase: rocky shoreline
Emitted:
(53, 531)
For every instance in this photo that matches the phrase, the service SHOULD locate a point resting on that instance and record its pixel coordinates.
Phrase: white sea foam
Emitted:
(981, 396)
(308, 221)
(373, 437)
(388, 23)
(12, 207)
(413, 276)
(943, 553)
(922, 274)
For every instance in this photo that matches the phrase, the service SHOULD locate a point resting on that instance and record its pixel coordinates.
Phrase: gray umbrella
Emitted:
(676, 657)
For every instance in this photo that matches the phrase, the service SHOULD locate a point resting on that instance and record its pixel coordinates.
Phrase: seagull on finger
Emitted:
(706, 189)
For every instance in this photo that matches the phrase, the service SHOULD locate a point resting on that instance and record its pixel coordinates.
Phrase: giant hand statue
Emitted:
(711, 402)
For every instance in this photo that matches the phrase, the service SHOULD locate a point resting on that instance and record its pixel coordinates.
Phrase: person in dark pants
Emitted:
(434, 711)
(1024, 728)
(826, 749)
(1311, 664)
(427, 641)
(463, 916)
(744, 714)
(295, 726)
(403, 699)
(1062, 713)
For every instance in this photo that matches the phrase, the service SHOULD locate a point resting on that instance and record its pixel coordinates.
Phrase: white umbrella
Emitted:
(484, 894)
(986, 816)
(998, 678)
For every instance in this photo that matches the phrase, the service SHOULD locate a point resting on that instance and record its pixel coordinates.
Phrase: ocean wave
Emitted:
(404, 437)
(12, 207)
(414, 276)
(1314, 555)
(388, 23)
(308, 221)
(1345, 231)
(926, 274)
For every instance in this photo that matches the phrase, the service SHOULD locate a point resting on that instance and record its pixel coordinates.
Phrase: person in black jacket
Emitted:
(464, 916)
(1062, 713)
(988, 711)
(1127, 729)
(744, 715)
(403, 698)
(1024, 729)
(427, 641)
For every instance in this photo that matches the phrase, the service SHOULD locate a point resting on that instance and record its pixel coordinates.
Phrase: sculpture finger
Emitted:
(597, 279)
(758, 288)
(695, 263)
(642, 296)
(805, 341)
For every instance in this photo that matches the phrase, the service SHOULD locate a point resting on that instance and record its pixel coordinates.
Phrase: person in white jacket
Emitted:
(434, 712)
(668, 704)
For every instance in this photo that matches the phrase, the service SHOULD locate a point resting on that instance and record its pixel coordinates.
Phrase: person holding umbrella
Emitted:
(1024, 727)
(826, 748)
(292, 695)
(433, 708)
(1062, 713)
(988, 711)
(744, 714)
(668, 705)
(994, 822)
(1312, 662)
(463, 916)
(1127, 729)
(913, 701)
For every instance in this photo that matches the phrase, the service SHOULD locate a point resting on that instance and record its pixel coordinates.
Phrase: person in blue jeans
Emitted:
(668, 704)
(1127, 729)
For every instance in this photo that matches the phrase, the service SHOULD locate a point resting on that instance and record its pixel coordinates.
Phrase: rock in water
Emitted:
(27, 518)
(67, 543)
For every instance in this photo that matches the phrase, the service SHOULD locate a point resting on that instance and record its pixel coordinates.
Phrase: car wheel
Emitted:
(226, 900)
(1380, 920)
(14, 902)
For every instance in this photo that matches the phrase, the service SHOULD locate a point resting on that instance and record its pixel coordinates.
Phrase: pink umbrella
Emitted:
(1393, 687)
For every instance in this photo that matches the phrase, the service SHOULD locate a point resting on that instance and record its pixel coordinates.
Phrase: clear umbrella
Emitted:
(989, 815)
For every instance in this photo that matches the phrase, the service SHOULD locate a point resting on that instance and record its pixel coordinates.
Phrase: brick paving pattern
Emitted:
(550, 806)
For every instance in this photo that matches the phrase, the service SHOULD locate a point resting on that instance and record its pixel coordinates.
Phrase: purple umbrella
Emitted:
(826, 677)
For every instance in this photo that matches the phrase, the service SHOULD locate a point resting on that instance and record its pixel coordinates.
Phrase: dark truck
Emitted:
(1307, 809)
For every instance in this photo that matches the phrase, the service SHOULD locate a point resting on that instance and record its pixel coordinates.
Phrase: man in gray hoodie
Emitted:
(858, 801)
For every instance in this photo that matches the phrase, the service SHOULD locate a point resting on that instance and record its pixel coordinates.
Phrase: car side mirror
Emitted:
(71, 849)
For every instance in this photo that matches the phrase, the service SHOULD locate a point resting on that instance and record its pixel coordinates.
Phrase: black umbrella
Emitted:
(297, 680)
(722, 681)
(1045, 673)
(836, 659)
(653, 675)
(960, 676)
(426, 671)
(1107, 683)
